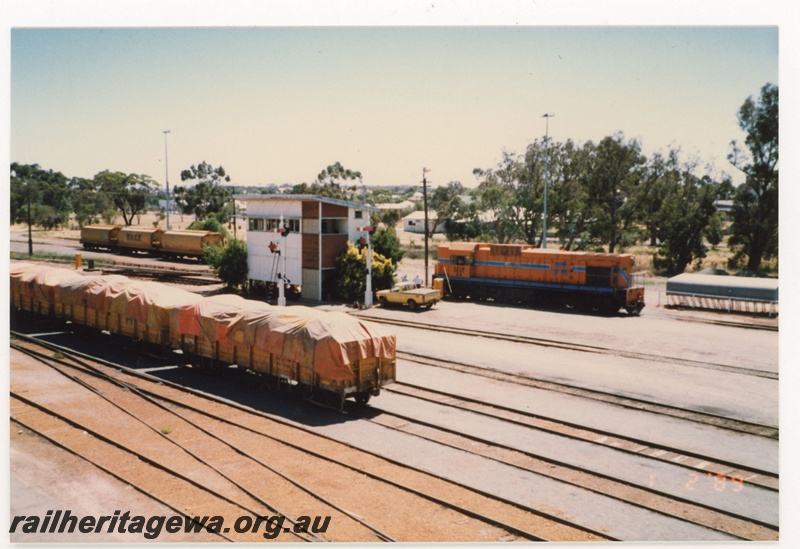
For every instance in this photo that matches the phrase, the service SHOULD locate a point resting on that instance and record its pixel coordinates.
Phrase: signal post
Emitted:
(368, 293)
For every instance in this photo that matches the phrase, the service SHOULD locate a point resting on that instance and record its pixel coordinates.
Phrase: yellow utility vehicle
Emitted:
(407, 293)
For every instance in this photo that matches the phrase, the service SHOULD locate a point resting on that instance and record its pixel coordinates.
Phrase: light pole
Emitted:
(546, 166)
(166, 169)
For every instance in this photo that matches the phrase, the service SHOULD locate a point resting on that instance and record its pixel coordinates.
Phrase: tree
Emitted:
(754, 232)
(46, 191)
(390, 218)
(229, 262)
(128, 192)
(497, 192)
(684, 217)
(350, 282)
(213, 224)
(335, 177)
(615, 190)
(568, 207)
(386, 243)
(208, 196)
(331, 182)
(457, 217)
(88, 202)
(665, 173)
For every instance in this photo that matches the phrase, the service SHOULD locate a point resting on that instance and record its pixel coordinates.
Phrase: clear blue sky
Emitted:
(275, 105)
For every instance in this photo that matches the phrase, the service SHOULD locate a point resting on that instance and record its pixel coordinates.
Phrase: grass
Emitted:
(56, 257)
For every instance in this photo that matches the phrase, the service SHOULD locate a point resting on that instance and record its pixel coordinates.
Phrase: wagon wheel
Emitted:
(363, 398)
(413, 305)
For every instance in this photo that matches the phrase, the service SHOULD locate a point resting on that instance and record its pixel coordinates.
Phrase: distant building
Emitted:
(404, 205)
(162, 205)
(415, 223)
(319, 229)
(723, 206)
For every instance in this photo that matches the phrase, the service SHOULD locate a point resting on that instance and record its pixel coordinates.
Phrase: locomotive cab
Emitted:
(459, 262)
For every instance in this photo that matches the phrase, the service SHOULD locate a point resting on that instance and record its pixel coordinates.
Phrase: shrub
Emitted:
(228, 262)
(351, 273)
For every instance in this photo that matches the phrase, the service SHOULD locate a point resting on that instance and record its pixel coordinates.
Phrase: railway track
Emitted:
(653, 491)
(571, 346)
(165, 274)
(247, 500)
(648, 498)
(593, 394)
(662, 479)
(516, 522)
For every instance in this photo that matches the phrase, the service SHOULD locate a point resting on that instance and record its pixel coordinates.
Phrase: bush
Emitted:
(351, 273)
(386, 243)
(228, 262)
(211, 224)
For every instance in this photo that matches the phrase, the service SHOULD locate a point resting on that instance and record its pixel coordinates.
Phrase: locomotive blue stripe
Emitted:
(520, 283)
(537, 266)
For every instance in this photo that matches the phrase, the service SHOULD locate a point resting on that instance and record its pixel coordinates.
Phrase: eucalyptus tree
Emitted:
(686, 212)
(206, 197)
(128, 192)
(497, 196)
(459, 218)
(615, 188)
(568, 211)
(38, 196)
(89, 204)
(755, 207)
(336, 181)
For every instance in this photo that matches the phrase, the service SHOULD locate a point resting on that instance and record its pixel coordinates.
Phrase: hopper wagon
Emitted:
(153, 241)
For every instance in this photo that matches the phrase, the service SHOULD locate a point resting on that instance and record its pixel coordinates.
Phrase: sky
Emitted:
(276, 104)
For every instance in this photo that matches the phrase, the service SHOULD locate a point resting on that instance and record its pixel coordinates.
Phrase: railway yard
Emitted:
(504, 424)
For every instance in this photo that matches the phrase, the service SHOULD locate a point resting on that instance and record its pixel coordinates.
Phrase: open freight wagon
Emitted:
(318, 353)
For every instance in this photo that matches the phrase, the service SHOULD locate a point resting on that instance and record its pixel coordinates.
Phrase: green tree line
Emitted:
(607, 196)
(601, 196)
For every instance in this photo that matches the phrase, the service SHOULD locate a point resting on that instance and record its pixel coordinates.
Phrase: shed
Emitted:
(415, 223)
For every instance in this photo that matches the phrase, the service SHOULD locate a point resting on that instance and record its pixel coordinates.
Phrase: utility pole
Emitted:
(166, 168)
(425, 207)
(30, 236)
(546, 167)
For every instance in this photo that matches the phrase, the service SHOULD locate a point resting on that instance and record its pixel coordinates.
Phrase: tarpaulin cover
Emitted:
(211, 317)
(22, 275)
(83, 291)
(327, 341)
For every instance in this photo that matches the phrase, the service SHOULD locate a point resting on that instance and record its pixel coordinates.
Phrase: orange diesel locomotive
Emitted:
(553, 278)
